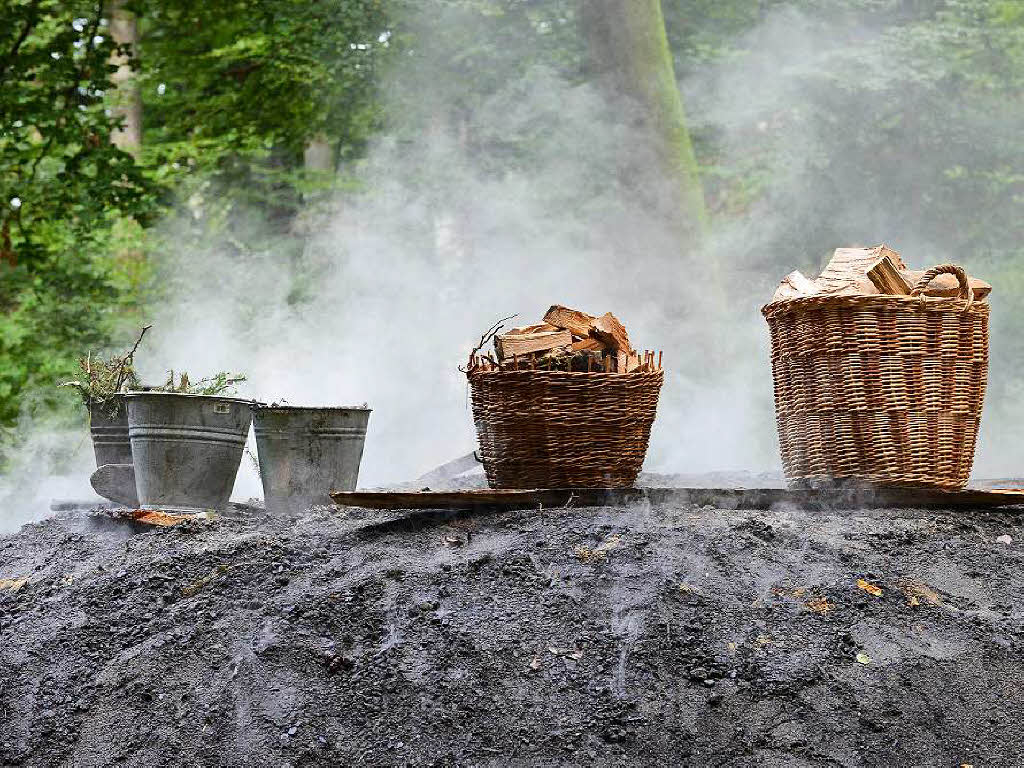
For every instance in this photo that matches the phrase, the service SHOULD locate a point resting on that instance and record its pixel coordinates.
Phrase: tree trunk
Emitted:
(318, 155)
(628, 54)
(124, 30)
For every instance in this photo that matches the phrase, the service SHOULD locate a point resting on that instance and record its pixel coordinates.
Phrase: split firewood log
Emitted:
(509, 345)
(794, 286)
(847, 271)
(526, 330)
(567, 340)
(588, 345)
(887, 279)
(608, 329)
(576, 322)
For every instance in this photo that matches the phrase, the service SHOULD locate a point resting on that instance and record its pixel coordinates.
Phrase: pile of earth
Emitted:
(668, 635)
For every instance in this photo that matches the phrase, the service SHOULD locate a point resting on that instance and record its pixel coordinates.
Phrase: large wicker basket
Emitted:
(880, 390)
(560, 429)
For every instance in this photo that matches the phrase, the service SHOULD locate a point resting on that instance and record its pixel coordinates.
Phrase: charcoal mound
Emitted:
(632, 636)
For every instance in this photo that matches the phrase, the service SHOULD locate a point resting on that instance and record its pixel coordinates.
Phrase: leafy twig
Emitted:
(218, 384)
(103, 379)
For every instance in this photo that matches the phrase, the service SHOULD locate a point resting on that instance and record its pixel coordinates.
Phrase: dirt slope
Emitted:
(557, 637)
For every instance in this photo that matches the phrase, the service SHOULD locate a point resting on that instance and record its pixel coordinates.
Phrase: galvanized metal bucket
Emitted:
(306, 452)
(109, 432)
(186, 448)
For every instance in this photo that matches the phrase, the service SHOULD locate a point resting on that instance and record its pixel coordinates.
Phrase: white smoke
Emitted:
(464, 216)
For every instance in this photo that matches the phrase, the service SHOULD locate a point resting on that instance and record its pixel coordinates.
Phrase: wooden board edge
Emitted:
(728, 498)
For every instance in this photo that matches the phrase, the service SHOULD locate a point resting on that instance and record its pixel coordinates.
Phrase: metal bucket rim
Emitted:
(222, 398)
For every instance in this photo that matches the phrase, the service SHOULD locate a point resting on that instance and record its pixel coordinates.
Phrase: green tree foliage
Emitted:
(63, 186)
(816, 123)
(238, 88)
(232, 94)
(859, 118)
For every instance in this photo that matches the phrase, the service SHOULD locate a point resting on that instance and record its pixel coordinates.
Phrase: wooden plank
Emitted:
(576, 322)
(515, 344)
(472, 499)
(887, 279)
(727, 498)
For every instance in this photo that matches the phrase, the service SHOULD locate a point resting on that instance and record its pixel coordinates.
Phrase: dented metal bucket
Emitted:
(109, 432)
(186, 448)
(306, 452)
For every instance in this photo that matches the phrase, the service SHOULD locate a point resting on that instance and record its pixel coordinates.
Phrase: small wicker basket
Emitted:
(560, 429)
(880, 390)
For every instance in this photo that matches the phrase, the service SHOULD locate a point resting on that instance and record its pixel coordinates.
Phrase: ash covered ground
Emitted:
(674, 635)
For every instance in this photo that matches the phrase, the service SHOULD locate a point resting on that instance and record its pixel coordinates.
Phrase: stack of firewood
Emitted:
(567, 340)
(867, 271)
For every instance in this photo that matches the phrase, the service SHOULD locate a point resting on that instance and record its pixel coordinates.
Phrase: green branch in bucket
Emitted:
(102, 379)
(223, 383)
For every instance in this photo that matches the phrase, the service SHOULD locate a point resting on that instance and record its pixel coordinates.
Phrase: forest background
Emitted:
(345, 192)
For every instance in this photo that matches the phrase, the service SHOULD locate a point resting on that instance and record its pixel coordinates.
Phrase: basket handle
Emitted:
(966, 292)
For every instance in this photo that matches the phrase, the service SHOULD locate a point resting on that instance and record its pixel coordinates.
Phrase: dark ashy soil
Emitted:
(670, 636)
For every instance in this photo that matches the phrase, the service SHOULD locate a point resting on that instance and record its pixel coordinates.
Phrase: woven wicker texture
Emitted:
(556, 429)
(880, 389)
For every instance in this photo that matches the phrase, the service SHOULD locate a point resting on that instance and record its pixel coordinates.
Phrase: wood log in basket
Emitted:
(874, 271)
(519, 344)
(887, 278)
(795, 285)
(608, 329)
(589, 345)
(847, 271)
(567, 340)
(576, 322)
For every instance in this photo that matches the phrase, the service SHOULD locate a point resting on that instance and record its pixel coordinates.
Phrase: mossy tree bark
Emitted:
(318, 155)
(628, 54)
(124, 29)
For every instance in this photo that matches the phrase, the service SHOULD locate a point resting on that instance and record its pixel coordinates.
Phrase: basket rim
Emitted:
(876, 301)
